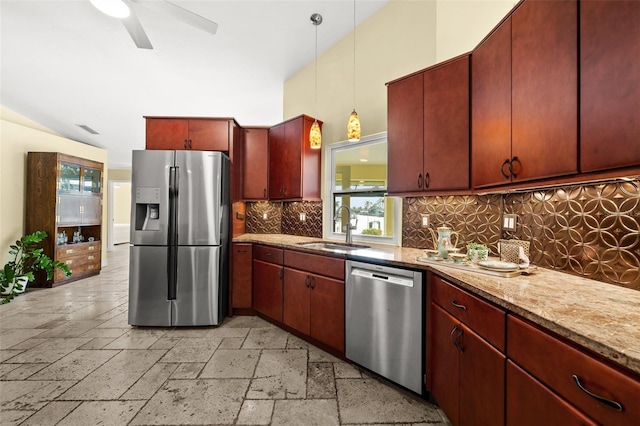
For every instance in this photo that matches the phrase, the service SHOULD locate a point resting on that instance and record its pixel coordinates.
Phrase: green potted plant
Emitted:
(28, 257)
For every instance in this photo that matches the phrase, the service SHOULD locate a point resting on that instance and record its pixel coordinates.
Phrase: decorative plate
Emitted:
(498, 265)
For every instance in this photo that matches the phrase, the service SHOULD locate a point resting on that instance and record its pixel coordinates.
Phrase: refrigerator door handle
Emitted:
(172, 253)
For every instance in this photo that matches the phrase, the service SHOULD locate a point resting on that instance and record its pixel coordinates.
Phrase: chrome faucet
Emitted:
(349, 227)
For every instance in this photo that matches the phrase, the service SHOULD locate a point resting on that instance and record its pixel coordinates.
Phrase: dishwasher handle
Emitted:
(378, 276)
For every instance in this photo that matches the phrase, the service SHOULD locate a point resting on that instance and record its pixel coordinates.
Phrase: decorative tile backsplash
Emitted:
(284, 218)
(311, 226)
(588, 230)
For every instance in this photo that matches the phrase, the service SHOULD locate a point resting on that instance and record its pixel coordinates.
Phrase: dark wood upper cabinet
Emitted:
(205, 134)
(404, 134)
(294, 168)
(524, 114)
(544, 64)
(256, 163)
(609, 84)
(428, 129)
(446, 126)
(491, 108)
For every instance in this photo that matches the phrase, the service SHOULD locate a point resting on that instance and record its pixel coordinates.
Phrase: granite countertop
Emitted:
(601, 317)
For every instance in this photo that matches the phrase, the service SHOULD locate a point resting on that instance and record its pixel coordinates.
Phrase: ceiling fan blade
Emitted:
(134, 27)
(181, 14)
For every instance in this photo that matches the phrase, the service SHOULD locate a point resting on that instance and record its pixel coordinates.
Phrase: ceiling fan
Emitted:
(122, 9)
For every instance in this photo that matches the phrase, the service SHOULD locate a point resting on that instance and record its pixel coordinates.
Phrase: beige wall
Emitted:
(462, 24)
(121, 202)
(402, 37)
(18, 136)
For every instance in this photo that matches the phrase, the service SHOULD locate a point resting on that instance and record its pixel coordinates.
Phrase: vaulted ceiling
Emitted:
(64, 64)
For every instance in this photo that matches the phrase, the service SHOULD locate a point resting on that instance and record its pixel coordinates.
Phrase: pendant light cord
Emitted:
(316, 94)
(354, 55)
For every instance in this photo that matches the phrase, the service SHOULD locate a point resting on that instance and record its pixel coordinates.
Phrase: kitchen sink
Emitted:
(333, 246)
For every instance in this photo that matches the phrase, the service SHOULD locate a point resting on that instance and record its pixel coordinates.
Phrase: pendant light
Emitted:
(315, 137)
(353, 125)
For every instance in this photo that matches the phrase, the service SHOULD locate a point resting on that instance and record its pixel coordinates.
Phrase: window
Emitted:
(359, 181)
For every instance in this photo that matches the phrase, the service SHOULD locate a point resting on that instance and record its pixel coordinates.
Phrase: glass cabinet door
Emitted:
(92, 180)
(69, 177)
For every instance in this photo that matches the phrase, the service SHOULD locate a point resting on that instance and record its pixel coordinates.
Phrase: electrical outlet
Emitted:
(509, 222)
(425, 220)
(264, 215)
(303, 217)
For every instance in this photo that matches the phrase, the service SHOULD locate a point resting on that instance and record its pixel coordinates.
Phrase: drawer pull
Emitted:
(459, 306)
(68, 251)
(69, 262)
(91, 257)
(267, 254)
(615, 405)
(92, 247)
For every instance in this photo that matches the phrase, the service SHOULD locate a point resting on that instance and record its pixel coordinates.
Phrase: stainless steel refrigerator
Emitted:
(178, 269)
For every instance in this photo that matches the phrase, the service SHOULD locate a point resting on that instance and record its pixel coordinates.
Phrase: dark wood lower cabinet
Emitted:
(468, 374)
(241, 293)
(530, 403)
(267, 289)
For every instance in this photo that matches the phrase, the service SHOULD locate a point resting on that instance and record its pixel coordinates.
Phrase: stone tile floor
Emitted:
(68, 357)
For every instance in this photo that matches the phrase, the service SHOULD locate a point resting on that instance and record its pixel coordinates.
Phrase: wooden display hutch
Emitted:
(64, 196)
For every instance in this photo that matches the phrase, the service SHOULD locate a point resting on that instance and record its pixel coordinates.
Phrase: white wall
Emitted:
(18, 136)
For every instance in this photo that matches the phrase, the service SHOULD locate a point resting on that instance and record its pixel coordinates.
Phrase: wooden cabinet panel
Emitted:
(206, 134)
(277, 174)
(327, 311)
(467, 373)
(487, 320)
(209, 135)
(241, 278)
(297, 300)
(544, 66)
(445, 371)
(294, 168)
(167, 133)
(491, 107)
(324, 265)
(609, 84)
(482, 381)
(530, 403)
(268, 254)
(405, 134)
(256, 163)
(446, 126)
(267, 289)
(555, 363)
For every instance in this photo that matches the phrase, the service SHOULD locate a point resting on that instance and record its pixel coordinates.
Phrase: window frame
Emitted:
(331, 191)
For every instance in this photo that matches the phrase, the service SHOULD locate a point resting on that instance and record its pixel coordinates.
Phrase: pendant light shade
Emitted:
(315, 136)
(353, 127)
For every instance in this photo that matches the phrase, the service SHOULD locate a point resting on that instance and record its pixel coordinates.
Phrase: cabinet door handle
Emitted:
(426, 180)
(264, 193)
(306, 281)
(506, 162)
(185, 144)
(456, 340)
(242, 251)
(280, 273)
(613, 404)
(458, 336)
(420, 180)
(189, 143)
(313, 282)
(459, 306)
(514, 159)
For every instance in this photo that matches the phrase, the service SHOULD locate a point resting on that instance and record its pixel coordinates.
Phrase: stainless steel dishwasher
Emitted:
(384, 318)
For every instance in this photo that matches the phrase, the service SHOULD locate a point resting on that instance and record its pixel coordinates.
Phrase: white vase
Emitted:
(20, 280)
